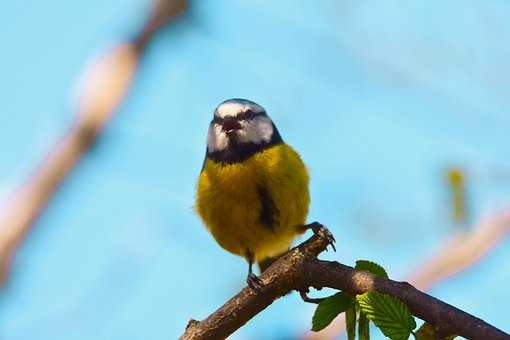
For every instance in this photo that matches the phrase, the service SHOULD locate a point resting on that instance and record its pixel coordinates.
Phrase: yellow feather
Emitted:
(228, 201)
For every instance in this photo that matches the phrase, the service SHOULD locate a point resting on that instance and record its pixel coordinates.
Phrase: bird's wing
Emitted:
(269, 213)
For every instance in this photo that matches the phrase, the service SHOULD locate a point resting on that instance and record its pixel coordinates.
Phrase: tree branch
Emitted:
(300, 269)
(461, 251)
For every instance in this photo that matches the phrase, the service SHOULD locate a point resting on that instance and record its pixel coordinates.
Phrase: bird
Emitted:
(252, 193)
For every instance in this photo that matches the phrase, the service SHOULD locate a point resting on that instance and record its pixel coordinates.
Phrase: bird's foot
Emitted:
(322, 232)
(254, 282)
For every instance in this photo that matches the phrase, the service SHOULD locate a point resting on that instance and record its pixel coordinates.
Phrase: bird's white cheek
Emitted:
(265, 129)
(243, 135)
(216, 139)
(259, 130)
(247, 133)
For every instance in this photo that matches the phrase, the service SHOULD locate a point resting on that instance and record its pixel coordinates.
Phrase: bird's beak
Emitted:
(230, 126)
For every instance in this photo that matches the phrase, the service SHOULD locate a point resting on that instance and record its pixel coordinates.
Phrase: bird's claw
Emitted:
(254, 282)
(324, 233)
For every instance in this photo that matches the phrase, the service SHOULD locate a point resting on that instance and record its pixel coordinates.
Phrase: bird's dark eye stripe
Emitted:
(242, 116)
(248, 115)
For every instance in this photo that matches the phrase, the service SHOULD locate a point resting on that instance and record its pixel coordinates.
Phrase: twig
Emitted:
(300, 269)
(461, 251)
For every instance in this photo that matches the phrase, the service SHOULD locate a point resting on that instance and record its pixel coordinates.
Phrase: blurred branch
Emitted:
(300, 269)
(463, 250)
(163, 11)
(105, 85)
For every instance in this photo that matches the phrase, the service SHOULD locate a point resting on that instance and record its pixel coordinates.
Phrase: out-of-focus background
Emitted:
(382, 100)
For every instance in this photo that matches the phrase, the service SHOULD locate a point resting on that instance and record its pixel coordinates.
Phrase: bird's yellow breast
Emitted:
(230, 203)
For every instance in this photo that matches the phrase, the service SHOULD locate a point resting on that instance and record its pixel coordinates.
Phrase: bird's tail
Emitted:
(268, 261)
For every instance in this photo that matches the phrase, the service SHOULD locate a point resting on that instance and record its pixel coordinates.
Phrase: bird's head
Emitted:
(239, 129)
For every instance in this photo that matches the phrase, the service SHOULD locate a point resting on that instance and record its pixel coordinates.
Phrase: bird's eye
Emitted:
(248, 114)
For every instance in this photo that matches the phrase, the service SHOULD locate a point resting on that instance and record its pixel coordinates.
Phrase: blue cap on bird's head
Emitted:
(239, 129)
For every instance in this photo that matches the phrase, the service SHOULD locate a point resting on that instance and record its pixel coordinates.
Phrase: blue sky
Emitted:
(379, 98)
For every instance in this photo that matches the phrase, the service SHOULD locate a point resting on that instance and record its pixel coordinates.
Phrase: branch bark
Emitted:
(463, 250)
(300, 269)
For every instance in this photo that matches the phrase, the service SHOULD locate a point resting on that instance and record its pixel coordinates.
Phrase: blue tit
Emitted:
(252, 192)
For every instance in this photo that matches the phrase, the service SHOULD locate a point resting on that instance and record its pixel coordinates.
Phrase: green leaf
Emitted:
(363, 327)
(328, 309)
(427, 332)
(390, 315)
(350, 321)
(371, 267)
